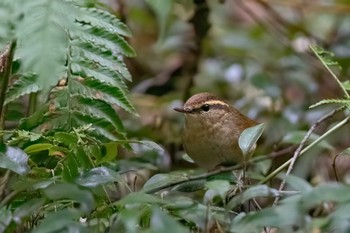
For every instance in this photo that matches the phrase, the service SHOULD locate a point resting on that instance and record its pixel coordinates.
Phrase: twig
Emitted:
(303, 142)
(201, 25)
(284, 151)
(206, 175)
(6, 57)
(334, 168)
(3, 182)
(221, 170)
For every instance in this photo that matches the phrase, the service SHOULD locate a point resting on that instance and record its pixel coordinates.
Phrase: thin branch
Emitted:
(299, 150)
(283, 166)
(334, 167)
(3, 182)
(208, 174)
(222, 169)
(6, 57)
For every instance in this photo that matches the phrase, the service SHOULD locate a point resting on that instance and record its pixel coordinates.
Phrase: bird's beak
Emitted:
(182, 110)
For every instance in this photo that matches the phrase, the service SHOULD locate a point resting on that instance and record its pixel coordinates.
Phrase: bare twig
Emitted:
(334, 168)
(284, 151)
(223, 169)
(207, 174)
(301, 145)
(6, 57)
(3, 182)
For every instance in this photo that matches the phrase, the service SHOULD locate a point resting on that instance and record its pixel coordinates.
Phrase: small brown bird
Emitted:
(212, 130)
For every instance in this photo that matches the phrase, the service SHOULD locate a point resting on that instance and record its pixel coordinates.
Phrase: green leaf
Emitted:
(253, 192)
(15, 160)
(217, 188)
(285, 217)
(103, 38)
(152, 145)
(199, 215)
(87, 56)
(70, 168)
(37, 148)
(57, 221)
(111, 152)
(161, 222)
(101, 109)
(297, 183)
(27, 209)
(331, 101)
(67, 139)
(249, 137)
(25, 85)
(179, 202)
(100, 125)
(98, 176)
(5, 218)
(326, 56)
(88, 69)
(42, 22)
(108, 93)
(326, 192)
(103, 19)
(190, 186)
(159, 180)
(346, 85)
(139, 198)
(82, 157)
(71, 192)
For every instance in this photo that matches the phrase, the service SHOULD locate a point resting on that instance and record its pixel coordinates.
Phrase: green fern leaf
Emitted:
(103, 19)
(43, 40)
(104, 75)
(101, 56)
(98, 90)
(26, 84)
(101, 126)
(101, 109)
(331, 101)
(102, 38)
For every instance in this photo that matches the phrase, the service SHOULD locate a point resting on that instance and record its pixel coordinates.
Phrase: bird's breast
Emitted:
(211, 145)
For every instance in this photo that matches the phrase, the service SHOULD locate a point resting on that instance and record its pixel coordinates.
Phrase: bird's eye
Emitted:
(205, 107)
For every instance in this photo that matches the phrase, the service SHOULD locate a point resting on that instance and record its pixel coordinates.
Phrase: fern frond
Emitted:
(101, 126)
(86, 69)
(43, 40)
(104, 39)
(61, 41)
(103, 19)
(331, 101)
(98, 90)
(26, 84)
(101, 109)
(102, 56)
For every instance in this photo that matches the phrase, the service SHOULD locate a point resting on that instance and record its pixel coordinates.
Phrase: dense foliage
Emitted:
(79, 152)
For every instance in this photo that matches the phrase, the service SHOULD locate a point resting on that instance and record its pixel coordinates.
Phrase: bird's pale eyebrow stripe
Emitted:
(216, 102)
